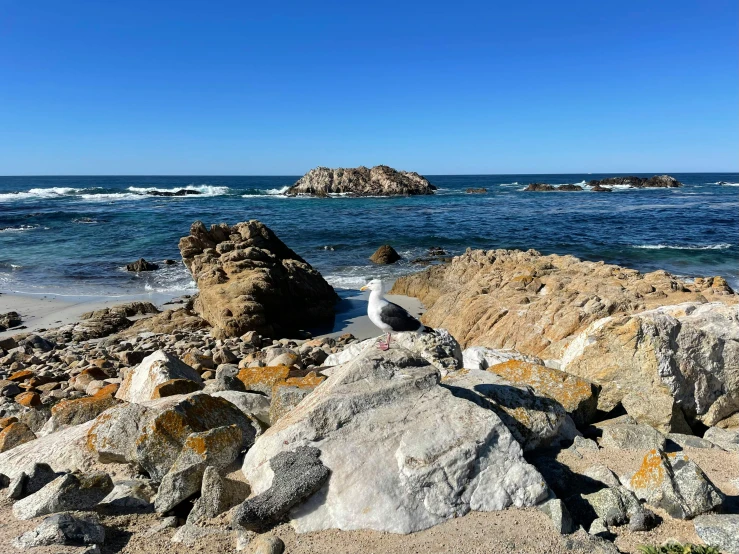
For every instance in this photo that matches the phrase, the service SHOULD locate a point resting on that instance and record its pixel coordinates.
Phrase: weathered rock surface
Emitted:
(658, 181)
(385, 255)
(665, 365)
(140, 383)
(250, 403)
(152, 434)
(544, 187)
(69, 492)
(9, 319)
(297, 475)
(65, 450)
(213, 448)
(67, 413)
(534, 421)
(250, 281)
(721, 530)
(141, 265)
(480, 357)
(431, 455)
(728, 439)
(130, 494)
(14, 435)
(380, 180)
(628, 436)
(676, 484)
(217, 495)
(577, 396)
(536, 304)
(63, 529)
(438, 348)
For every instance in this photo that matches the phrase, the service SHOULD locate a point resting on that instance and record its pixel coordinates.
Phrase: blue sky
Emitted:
(234, 87)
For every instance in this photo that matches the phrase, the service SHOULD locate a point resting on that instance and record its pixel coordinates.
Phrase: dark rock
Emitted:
(598, 188)
(481, 190)
(569, 188)
(9, 319)
(72, 491)
(63, 529)
(297, 475)
(385, 255)
(141, 265)
(540, 187)
(169, 262)
(658, 181)
(180, 192)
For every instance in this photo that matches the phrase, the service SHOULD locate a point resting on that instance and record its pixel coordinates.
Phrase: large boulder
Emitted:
(64, 450)
(438, 348)
(152, 434)
(721, 530)
(250, 281)
(664, 365)
(381, 180)
(385, 255)
(536, 304)
(68, 492)
(63, 529)
(676, 484)
(432, 456)
(140, 383)
(14, 435)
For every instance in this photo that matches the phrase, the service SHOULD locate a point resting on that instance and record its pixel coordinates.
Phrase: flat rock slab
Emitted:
(721, 530)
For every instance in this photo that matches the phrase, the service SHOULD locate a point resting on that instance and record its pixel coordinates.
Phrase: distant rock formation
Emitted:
(141, 265)
(180, 192)
(381, 180)
(481, 190)
(658, 181)
(544, 187)
(250, 281)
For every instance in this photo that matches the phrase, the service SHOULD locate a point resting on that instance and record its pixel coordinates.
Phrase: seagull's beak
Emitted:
(365, 287)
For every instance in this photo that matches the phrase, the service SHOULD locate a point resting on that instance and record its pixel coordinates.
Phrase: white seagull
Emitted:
(389, 317)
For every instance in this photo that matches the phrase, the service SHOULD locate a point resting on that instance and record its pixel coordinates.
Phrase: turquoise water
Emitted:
(73, 235)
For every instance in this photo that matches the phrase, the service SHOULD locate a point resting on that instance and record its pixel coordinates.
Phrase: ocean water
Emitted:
(74, 235)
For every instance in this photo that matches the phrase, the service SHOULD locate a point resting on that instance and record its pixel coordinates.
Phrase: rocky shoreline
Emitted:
(598, 403)
(607, 184)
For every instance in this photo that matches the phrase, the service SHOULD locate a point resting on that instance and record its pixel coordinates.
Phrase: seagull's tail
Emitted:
(427, 329)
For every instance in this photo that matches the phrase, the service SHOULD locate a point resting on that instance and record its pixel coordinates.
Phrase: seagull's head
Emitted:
(374, 285)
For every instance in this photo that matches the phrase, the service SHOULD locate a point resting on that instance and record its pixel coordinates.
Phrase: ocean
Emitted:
(74, 235)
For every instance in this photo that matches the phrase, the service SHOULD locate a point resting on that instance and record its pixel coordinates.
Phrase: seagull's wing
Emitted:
(398, 319)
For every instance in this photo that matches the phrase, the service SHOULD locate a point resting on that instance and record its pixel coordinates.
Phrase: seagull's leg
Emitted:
(388, 340)
(384, 344)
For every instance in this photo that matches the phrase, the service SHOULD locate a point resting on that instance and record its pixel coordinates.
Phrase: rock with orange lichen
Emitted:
(535, 420)
(28, 399)
(216, 447)
(577, 396)
(14, 435)
(284, 399)
(20, 376)
(140, 383)
(676, 484)
(151, 434)
(249, 280)
(79, 410)
(665, 366)
(264, 379)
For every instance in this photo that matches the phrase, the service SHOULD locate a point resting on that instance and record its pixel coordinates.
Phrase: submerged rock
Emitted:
(250, 281)
(141, 265)
(381, 180)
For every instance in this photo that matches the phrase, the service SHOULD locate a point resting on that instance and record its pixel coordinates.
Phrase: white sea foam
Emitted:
(722, 246)
(727, 184)
(52, 192)
(204, 190)
(19, 229)
(110, 196)
(276, 191)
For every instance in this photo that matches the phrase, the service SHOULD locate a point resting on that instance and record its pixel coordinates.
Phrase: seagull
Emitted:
(389, 317)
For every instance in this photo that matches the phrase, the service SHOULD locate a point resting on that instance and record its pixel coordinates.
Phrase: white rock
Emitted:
(65, 450)
(481, 357)
(423, 455)
(439, 348)
(139, 383)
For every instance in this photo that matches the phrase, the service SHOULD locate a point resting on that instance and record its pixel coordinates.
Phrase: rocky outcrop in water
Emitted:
(544, 187)
(180, 192)
(658, 181)
(250, 281)
(381, 180)
(141, 265)
(385, 255)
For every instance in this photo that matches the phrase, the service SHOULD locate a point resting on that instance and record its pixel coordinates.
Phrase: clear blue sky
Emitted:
(258, 88)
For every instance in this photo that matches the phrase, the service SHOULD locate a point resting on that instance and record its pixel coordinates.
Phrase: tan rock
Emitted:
(167, 322)
(79, 410)
(4, 422)
(535, 304)
(14, 435)
(250, 281)
(28, 399)
(20, 376)
(578, 396)
(140, 383)
(380, 180)
(264, 379)
(175, 386)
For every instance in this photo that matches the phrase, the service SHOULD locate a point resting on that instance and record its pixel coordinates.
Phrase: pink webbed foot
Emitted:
(384, 346)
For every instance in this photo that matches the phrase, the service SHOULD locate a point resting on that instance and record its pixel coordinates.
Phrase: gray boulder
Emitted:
(637, 437)
(63, 529)
(131, 494)
(250, 403)
(72, 491)
(721, 530)
(728, 439)
(217, 495)
(560, 516)
(297, 475)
